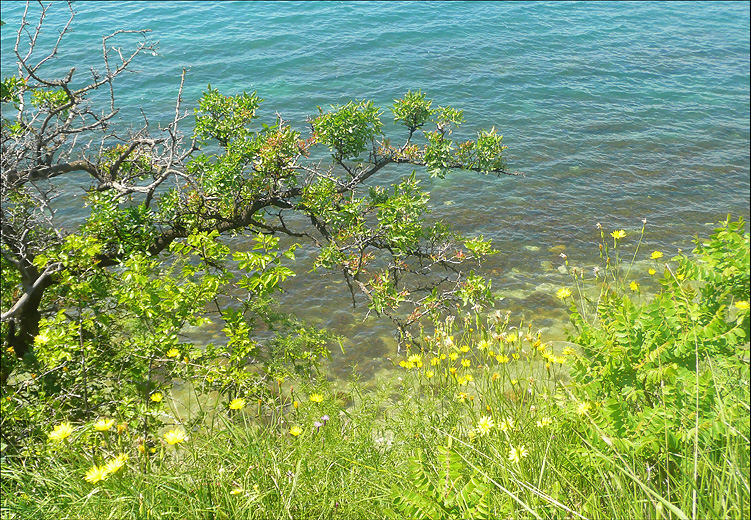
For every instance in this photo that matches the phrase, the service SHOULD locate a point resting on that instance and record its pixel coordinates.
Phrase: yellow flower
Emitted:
(60, 432)
(453, 356)
(452, 370)
(464, 349)
(651, 272)
(175, 437)
(116, 464)
(501, 358)
(142, 448)
(122, 427)
(545, 421)
(461, 380)
(634, 286)
(496, 376)
(618, 234)
(468, 378)
(515, 356)
(429, 374)
(568, 351)
(316, 398)
(461, 396)
(742, 305)
(157, 397)
(656, 255)
(563, 293)
(415, 359)
(583, 408)
(236, 491)
(506, 424)
(96, 474)
(484, 425)
(102, 425)
(483, 344)
(466, 363)
(517, 454)
(295, 431)
(236, 404)
(435, 361)
(173, 352)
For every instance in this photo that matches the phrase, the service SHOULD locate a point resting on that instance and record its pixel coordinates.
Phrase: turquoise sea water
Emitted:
(614, 111)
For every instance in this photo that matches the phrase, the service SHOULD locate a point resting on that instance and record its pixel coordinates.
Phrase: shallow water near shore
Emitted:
(614, 112)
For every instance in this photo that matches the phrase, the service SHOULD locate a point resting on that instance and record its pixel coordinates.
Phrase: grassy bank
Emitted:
(645, 414)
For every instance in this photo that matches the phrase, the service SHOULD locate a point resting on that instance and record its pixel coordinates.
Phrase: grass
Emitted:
(358, 463)
(481, 419)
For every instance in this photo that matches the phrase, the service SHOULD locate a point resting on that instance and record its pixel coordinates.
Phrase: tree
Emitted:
(160, 201)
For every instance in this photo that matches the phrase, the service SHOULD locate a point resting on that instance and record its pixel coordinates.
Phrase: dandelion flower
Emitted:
(563, 293)
(464, 349)
(415, 359)
(583, 408)
(651, 272)
(618, 234)
(102, 425)
(469, 377)
(453, 356)
(502, 359)
(172, 353)
(461, 380)
(237, 404)
(517, 454)
(116, 464)
(236, 491)
(157, 397)
(634, 286)
(175, 437)
(316, 398)
(466, 363)
(295, 431)
(484, 425)
(568, 351)
(429, 374)
(496, 376)
(435, 361)
(60, 432)
(656, 255)
(742, 305)
(96, 474)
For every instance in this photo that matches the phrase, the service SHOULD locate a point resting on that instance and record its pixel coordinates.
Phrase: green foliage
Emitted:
(10, 88)
(670, 371)
(423, 496)
(413, 110)
(225, 118)
(51, 100)
(348, 130)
